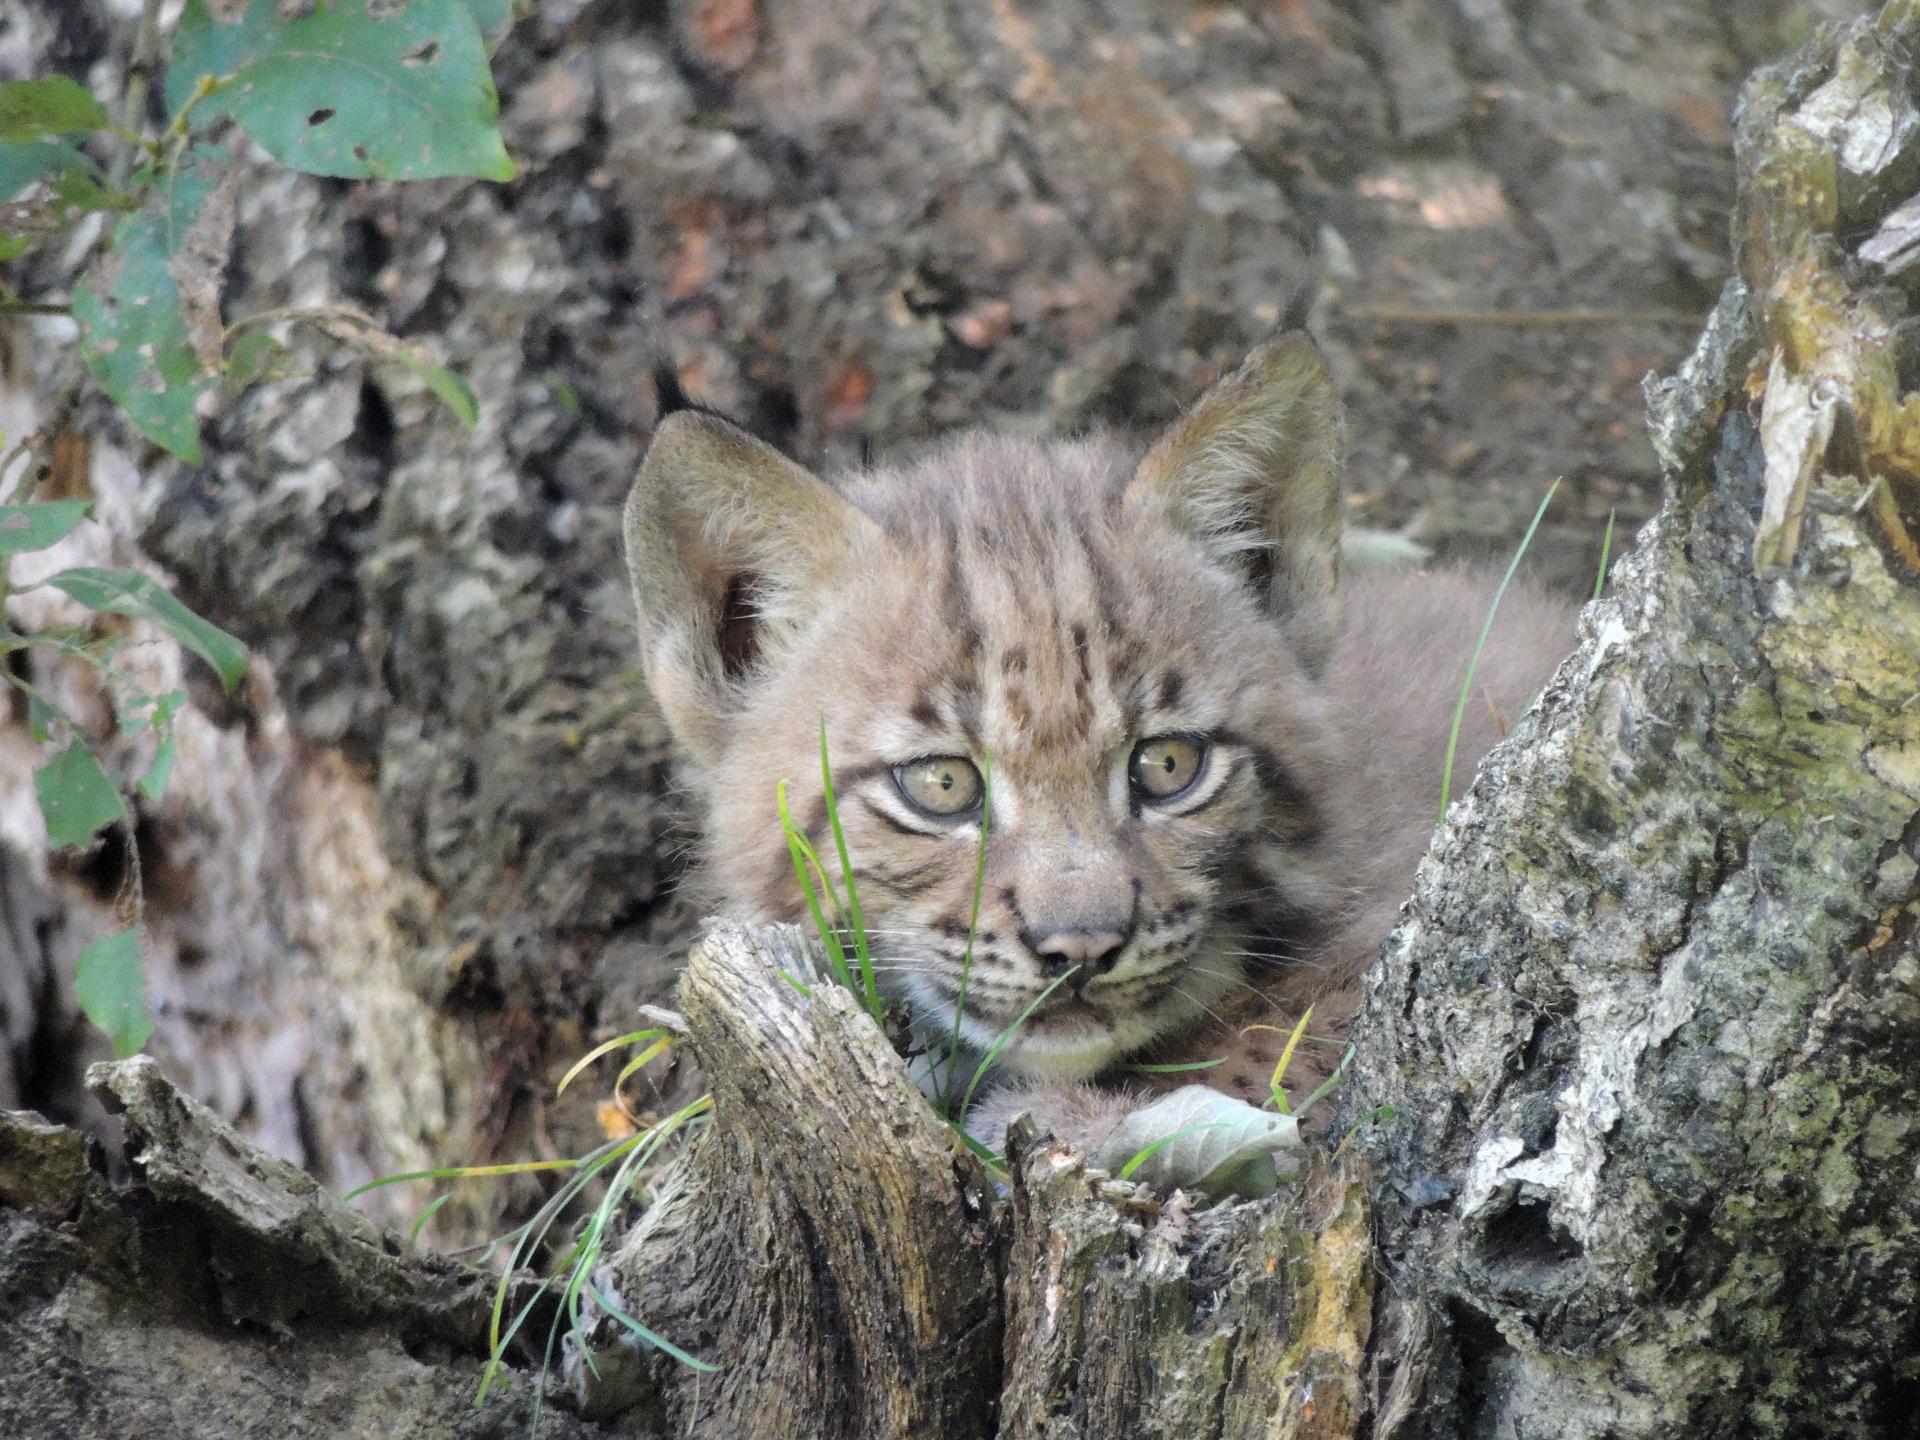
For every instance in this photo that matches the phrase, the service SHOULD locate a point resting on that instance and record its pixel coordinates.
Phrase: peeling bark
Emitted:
(220, 1291)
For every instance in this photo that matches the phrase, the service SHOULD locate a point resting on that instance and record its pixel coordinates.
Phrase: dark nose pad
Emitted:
(1094, 951)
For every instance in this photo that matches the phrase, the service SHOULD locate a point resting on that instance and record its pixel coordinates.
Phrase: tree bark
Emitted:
(220, 1291)
(1633, 1150)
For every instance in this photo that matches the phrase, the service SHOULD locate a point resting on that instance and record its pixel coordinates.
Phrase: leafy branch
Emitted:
(356, 89)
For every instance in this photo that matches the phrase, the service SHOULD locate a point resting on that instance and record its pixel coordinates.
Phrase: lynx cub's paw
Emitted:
(1198, 1139)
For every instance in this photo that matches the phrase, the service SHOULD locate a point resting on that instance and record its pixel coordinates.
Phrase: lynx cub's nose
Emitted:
(1094, 951)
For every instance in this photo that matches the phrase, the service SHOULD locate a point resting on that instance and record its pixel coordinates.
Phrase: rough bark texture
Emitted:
(1652, 1024)
(850, 225)
(874, 1303)
(1648, 1034)
(220, 1291)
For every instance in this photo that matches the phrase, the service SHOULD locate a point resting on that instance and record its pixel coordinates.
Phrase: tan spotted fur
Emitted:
(1050, 604)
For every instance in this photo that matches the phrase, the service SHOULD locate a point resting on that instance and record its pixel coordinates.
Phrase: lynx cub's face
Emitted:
(1130, 647)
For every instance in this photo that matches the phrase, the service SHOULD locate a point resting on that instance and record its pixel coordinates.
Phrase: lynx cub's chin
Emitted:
(1212, 765)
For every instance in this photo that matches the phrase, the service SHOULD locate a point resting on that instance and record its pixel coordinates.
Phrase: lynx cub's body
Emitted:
(1209, 790)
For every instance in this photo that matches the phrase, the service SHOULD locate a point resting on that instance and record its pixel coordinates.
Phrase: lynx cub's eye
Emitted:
(943, 785)
(1167, 765)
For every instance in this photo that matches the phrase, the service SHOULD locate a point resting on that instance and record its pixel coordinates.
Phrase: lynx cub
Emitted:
(1213, 767)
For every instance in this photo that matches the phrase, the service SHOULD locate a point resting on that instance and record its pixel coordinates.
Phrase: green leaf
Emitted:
(52, 105)
(453, 391)
(39, 525)
(79, 190)
(493, 17)
(403, 94)
(134, 334)
(112, 990)
(164, 708)
(153, 784)
(76, 797)
(1200, 1139)
(252, 356)
(24, 161)
(40, 718)
(127, 592)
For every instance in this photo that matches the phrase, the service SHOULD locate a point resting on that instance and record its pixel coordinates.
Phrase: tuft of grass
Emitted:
(633, 1037)
(854, 918)
(622, 1160)
(973, 926)
(1606, 553)
(1473, 661)
(806, 866)
(848, 924)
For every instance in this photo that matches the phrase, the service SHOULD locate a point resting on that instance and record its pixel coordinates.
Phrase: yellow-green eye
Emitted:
(1166, 765)
(943, 785)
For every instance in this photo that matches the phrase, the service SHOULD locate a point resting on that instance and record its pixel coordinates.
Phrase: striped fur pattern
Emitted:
(1050, 606)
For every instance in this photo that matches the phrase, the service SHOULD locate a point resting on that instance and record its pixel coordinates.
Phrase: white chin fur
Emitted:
(1065, 1057)
(1045, 1053)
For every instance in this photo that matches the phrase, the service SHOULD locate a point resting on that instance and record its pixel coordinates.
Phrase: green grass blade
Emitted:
(640, 1062)
(1000, 1041)
(973, 926)
(632, 1037)
(1606, 553)
(432, 1209)
(861, 952)
(1325, 1087)
(801, 851)
(995, 1164)
(1473, 662)
(462, 1172)
(1276, 1086)
(531, 1238)
(659, 1342)
(1177, 1067)
(1142, 1156)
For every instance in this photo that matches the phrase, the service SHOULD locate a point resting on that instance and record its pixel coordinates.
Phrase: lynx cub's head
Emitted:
(1133, 643)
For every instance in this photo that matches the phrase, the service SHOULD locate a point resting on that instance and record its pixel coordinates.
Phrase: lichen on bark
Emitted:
(1665, 951)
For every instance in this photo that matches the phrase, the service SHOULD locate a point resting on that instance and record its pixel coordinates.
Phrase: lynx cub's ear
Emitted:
(1253, 470)
(723, 533)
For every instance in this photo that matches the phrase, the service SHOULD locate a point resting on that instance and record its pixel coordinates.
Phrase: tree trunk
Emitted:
(1634, 1082)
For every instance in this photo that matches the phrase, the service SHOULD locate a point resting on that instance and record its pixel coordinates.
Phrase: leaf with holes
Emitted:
(127, 592)
(75, 795)
(39, 525)
(110, 987)
(51, 105)
(360, 89)
(1200, 1139)
(133, 333)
